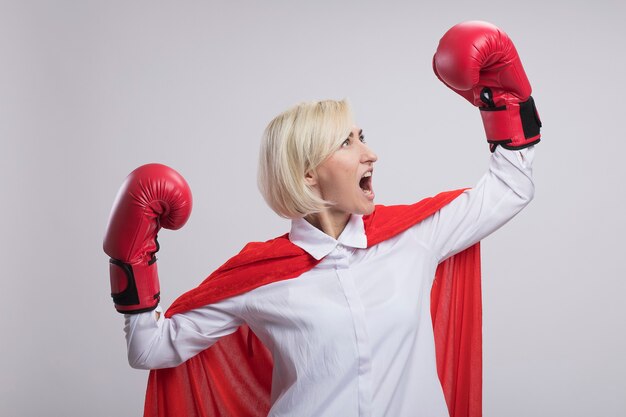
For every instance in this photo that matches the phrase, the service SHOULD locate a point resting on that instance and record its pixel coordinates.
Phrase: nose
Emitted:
(367, 155)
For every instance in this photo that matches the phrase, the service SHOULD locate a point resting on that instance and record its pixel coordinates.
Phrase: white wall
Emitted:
(90, 90)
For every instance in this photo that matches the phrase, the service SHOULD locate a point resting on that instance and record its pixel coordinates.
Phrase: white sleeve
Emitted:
(168, 342)
(500, 194)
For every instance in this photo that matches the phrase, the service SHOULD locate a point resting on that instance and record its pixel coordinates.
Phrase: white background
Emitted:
(89, 90)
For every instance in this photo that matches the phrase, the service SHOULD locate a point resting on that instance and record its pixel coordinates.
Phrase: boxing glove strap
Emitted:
(530, 119)
(128, 298)
(514, 126)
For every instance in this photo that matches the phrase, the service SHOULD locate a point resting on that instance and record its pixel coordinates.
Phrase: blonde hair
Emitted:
(295, 142)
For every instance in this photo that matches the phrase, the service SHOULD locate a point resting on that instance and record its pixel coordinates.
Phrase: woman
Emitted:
(349, 327)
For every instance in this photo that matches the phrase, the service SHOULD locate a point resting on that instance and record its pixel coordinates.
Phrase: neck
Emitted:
(329, 222)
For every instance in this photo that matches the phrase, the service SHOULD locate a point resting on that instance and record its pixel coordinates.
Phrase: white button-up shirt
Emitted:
(353, 336)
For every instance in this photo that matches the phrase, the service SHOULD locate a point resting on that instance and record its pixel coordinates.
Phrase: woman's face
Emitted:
(345, 177)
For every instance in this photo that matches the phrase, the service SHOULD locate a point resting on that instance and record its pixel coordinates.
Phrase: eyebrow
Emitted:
(360, 133)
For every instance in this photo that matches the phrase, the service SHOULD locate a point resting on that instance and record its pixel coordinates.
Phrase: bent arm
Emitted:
(500, 194)
(161, 342)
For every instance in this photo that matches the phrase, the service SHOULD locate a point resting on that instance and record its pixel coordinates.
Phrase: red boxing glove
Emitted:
(478, 61)
(153, 196)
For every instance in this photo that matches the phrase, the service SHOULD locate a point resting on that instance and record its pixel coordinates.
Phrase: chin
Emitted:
(369, 209)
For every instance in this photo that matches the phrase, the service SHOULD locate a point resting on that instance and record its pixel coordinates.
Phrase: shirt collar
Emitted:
(318, 244)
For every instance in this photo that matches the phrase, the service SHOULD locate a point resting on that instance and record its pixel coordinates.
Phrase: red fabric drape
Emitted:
(456, 310)
(233, 377)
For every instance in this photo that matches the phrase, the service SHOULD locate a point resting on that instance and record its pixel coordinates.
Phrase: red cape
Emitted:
(233, 377)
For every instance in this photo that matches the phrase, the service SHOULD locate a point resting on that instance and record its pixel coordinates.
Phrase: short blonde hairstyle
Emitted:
(295, 142)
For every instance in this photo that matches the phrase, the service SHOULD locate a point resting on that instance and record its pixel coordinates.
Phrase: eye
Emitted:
(362, 138)
(345, 143)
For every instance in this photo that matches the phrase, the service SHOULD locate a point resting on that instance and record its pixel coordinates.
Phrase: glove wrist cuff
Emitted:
(513, 126)
(134, 288)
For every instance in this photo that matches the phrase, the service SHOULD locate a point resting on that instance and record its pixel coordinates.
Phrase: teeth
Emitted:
(366, 184)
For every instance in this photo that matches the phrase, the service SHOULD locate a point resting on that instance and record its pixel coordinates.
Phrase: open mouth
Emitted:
(366, 183)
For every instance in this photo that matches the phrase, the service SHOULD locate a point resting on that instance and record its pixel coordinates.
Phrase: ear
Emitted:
(310, 178)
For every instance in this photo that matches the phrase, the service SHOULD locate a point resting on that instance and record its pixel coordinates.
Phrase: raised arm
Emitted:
(478, 61)
(155, 196)
(156, 342)
(501, 193)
